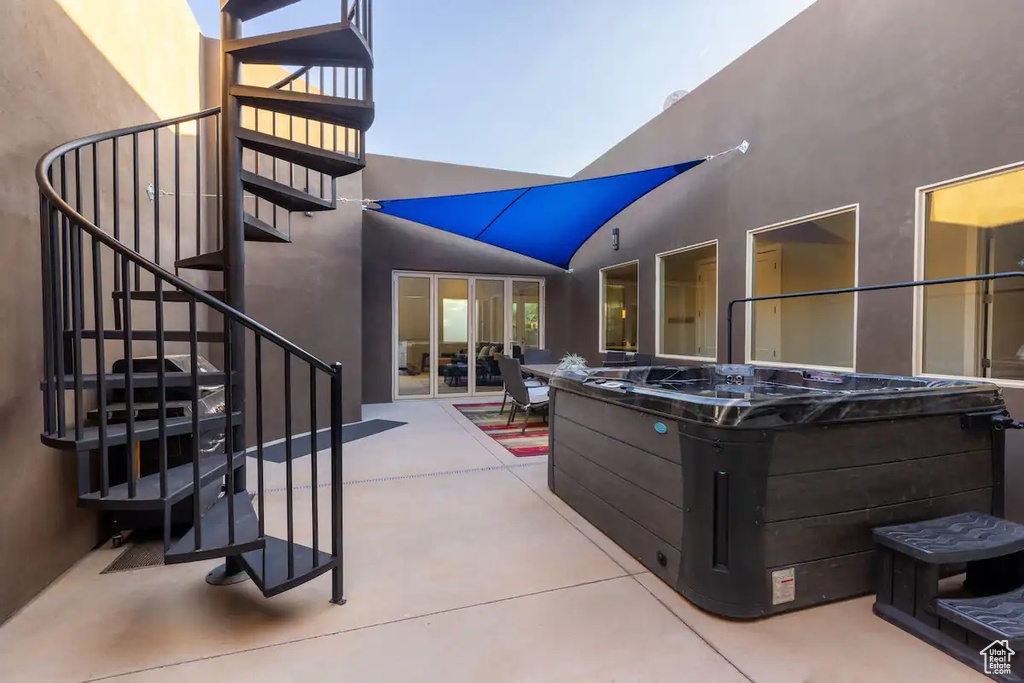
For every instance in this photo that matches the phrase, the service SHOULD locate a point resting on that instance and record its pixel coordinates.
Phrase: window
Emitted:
(973, 329)
(809, 254)
(619, 306)
(688, 302)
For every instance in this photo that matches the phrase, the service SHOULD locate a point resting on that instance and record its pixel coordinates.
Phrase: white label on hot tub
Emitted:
(783, 586)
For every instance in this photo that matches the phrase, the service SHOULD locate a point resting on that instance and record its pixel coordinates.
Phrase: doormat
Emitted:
(491, 422)
(138, 554)
(277, 453)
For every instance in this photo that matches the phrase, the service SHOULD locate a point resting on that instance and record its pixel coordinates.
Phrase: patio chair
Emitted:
(643, 359)
(523, 397)
(538, 356)
(531, 383)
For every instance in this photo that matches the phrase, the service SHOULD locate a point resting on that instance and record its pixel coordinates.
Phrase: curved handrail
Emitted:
(302, 71)
(56, 201)
(291, 78)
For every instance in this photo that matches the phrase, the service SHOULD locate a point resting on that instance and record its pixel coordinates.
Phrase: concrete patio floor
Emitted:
(460, 566)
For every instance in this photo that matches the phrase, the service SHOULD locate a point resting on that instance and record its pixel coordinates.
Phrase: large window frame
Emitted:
(601, 346)
(920, 230)
(659, 301)
(749, 266)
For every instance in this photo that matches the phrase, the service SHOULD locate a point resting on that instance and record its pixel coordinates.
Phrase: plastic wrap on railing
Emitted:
(754, 397)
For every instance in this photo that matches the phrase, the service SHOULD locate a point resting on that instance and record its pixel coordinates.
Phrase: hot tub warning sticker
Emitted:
(783, 586)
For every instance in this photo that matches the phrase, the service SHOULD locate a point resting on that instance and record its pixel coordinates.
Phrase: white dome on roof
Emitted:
(674, 97)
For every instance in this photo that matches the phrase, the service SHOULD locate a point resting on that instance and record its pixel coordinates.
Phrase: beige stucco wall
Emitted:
(69, 68)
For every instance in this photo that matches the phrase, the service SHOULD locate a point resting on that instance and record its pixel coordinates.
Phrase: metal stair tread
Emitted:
(144, 430)
(966, 537)
(338, 44)
(333, 163)
(214, 526)
(257, 230)
(143, 380)
(337, 110)
(996, 617)
(276, 579)
(282, 195)
(173, 295)
(174, 406)
(244, 10)
(147, 488)
(213, 260)
(202, 336)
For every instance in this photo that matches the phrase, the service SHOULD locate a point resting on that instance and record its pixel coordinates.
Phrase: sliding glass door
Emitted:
(449, 331)
(490, 334)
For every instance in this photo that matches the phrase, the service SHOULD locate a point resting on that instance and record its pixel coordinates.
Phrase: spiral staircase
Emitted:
(155, 380)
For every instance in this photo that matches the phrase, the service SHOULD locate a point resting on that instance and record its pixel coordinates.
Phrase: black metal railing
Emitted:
(349, 83)
(108, 290)
(852, 290)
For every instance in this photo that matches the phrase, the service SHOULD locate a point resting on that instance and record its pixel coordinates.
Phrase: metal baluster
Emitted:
(229, 446)
(161, 386)
(77, 300)
(118, 285)
(306, 79)
(346, 95)
(65, 255)
(156, 197)
(57, 224)
(312, 455)
(135, 205)
(259, 445)
(45, 227)
(220, 190)
(289, 502)
(337, 513)
(101, 366)
(193, 347)
(129, 382)
(199, 186)
(177, 194)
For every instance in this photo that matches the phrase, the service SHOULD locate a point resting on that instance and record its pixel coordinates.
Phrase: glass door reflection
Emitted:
(489, 340)
(526, 316)
(452, 336)
(413, 366)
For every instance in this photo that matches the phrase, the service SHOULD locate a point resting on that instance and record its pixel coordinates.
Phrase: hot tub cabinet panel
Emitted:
(755, 518)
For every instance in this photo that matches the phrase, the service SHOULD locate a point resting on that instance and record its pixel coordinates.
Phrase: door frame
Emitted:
(472, 278)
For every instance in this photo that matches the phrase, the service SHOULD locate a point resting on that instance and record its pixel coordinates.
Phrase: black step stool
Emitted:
(913, 557)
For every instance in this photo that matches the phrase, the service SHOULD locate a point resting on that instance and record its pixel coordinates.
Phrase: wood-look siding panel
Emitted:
(813, 538)
(659, 476)
(630, 536)
(624, 424)
(827, 447)
(821, 493)
(654, 514)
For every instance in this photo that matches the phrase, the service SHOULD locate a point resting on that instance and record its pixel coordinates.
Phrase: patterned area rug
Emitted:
(491, 422)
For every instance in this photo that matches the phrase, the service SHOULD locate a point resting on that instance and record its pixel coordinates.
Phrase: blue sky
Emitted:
(542, 86)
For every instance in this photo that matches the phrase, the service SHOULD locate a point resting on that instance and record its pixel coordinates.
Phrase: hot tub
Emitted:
(752, 491)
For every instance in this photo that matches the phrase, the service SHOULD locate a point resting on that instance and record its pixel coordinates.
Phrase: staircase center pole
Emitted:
(234, 249)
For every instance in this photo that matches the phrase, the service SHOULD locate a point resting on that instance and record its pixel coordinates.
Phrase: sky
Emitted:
(542, 86)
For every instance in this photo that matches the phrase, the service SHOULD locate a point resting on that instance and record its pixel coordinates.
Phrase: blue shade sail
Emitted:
(546, 222)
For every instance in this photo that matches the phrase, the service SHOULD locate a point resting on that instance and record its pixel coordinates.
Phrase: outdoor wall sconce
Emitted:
(615, 239)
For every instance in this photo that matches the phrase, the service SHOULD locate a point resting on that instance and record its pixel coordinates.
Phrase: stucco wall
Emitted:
(852, 102)
(69, 68)
(391, 244)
